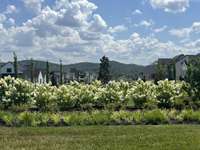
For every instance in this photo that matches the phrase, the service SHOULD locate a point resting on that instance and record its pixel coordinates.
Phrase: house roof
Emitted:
(4, 64)
(164, 61)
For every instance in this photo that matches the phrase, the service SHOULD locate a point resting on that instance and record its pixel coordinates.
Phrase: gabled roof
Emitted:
(178, 57)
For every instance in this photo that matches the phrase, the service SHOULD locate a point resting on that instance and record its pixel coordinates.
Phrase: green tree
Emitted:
(47, 72)
(61, 72)
(104, 70)
(32, 70)
(171, 70)
(15, 65)
(53, 79)
(160, 72)
(193, 75)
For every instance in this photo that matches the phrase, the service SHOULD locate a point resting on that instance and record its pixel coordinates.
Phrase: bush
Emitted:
(171, 94)
(142, 94)
(18, 95)
(122, 117)
(55, 119)
(100, 117)
(27, 119)
(7, 118)
(137, 117)
(155, 117)
(15, 92)
(45, 98)
(80, 119)
(190, 116)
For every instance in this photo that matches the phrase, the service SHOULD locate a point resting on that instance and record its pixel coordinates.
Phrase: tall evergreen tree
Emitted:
(47, 72)
(61, 72)
(32, 70)
(15, 65)
(104, 70)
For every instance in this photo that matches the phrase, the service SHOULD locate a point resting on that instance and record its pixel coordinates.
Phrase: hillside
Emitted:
(118, 70)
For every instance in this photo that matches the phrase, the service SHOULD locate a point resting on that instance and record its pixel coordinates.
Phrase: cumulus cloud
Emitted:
(11, 9)
(98, 24)
(73, 31)
(186, 32)
(174, 6)
(34, 5)
(116, 29)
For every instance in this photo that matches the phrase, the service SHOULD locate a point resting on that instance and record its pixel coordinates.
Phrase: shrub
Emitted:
(122, 117)
(42, 119)
(65, 97)
(27, 119)
(137, 117)
(79, 119)
(190, 116)
(170, 94)
(100, 117)
(155, 117)
(55, 119)
(6, 118)
(142, 94)
(45, 98)
(15, 92)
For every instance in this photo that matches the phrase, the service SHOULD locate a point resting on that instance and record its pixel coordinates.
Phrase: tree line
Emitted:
(104, 71)
(192, 75)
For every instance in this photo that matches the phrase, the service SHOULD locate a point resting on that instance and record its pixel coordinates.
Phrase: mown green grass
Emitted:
(164, 137)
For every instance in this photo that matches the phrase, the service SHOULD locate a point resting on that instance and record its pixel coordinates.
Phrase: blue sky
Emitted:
(129, 31)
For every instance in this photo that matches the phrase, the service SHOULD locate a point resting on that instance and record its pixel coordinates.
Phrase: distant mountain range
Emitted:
(118, 70)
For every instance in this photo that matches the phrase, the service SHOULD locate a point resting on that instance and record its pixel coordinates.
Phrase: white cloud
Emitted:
(137, 12)
(186, 32)
(2, 18)
(75, 13)
(158, 30)
(11, 9)
(34, 5)
(11, 21)
(145, 23)
(74, 32)
(180, 33)
(98, 24)
(174, 6)
(116, 29)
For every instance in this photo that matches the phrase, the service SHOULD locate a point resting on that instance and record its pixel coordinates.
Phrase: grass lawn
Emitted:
(164, 137)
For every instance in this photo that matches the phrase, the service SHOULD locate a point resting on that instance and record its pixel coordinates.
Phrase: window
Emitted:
(9, 70)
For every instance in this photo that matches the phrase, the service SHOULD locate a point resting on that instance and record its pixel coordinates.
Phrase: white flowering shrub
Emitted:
(137, 94)
(45, 97)
(15, 92)
(170, 93)
(142, 94)
(113, 94)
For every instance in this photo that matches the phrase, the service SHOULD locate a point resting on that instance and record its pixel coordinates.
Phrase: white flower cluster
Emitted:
(138, 94)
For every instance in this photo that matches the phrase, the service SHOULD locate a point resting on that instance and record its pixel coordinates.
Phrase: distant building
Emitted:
(41, 78)
(176, 68)
(7, 69)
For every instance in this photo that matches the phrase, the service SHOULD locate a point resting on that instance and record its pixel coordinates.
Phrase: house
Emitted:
(176, 68)
(41, 78)
(7, 69)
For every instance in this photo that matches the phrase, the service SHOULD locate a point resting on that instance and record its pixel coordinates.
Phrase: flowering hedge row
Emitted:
(153, 117)
(18, 94)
